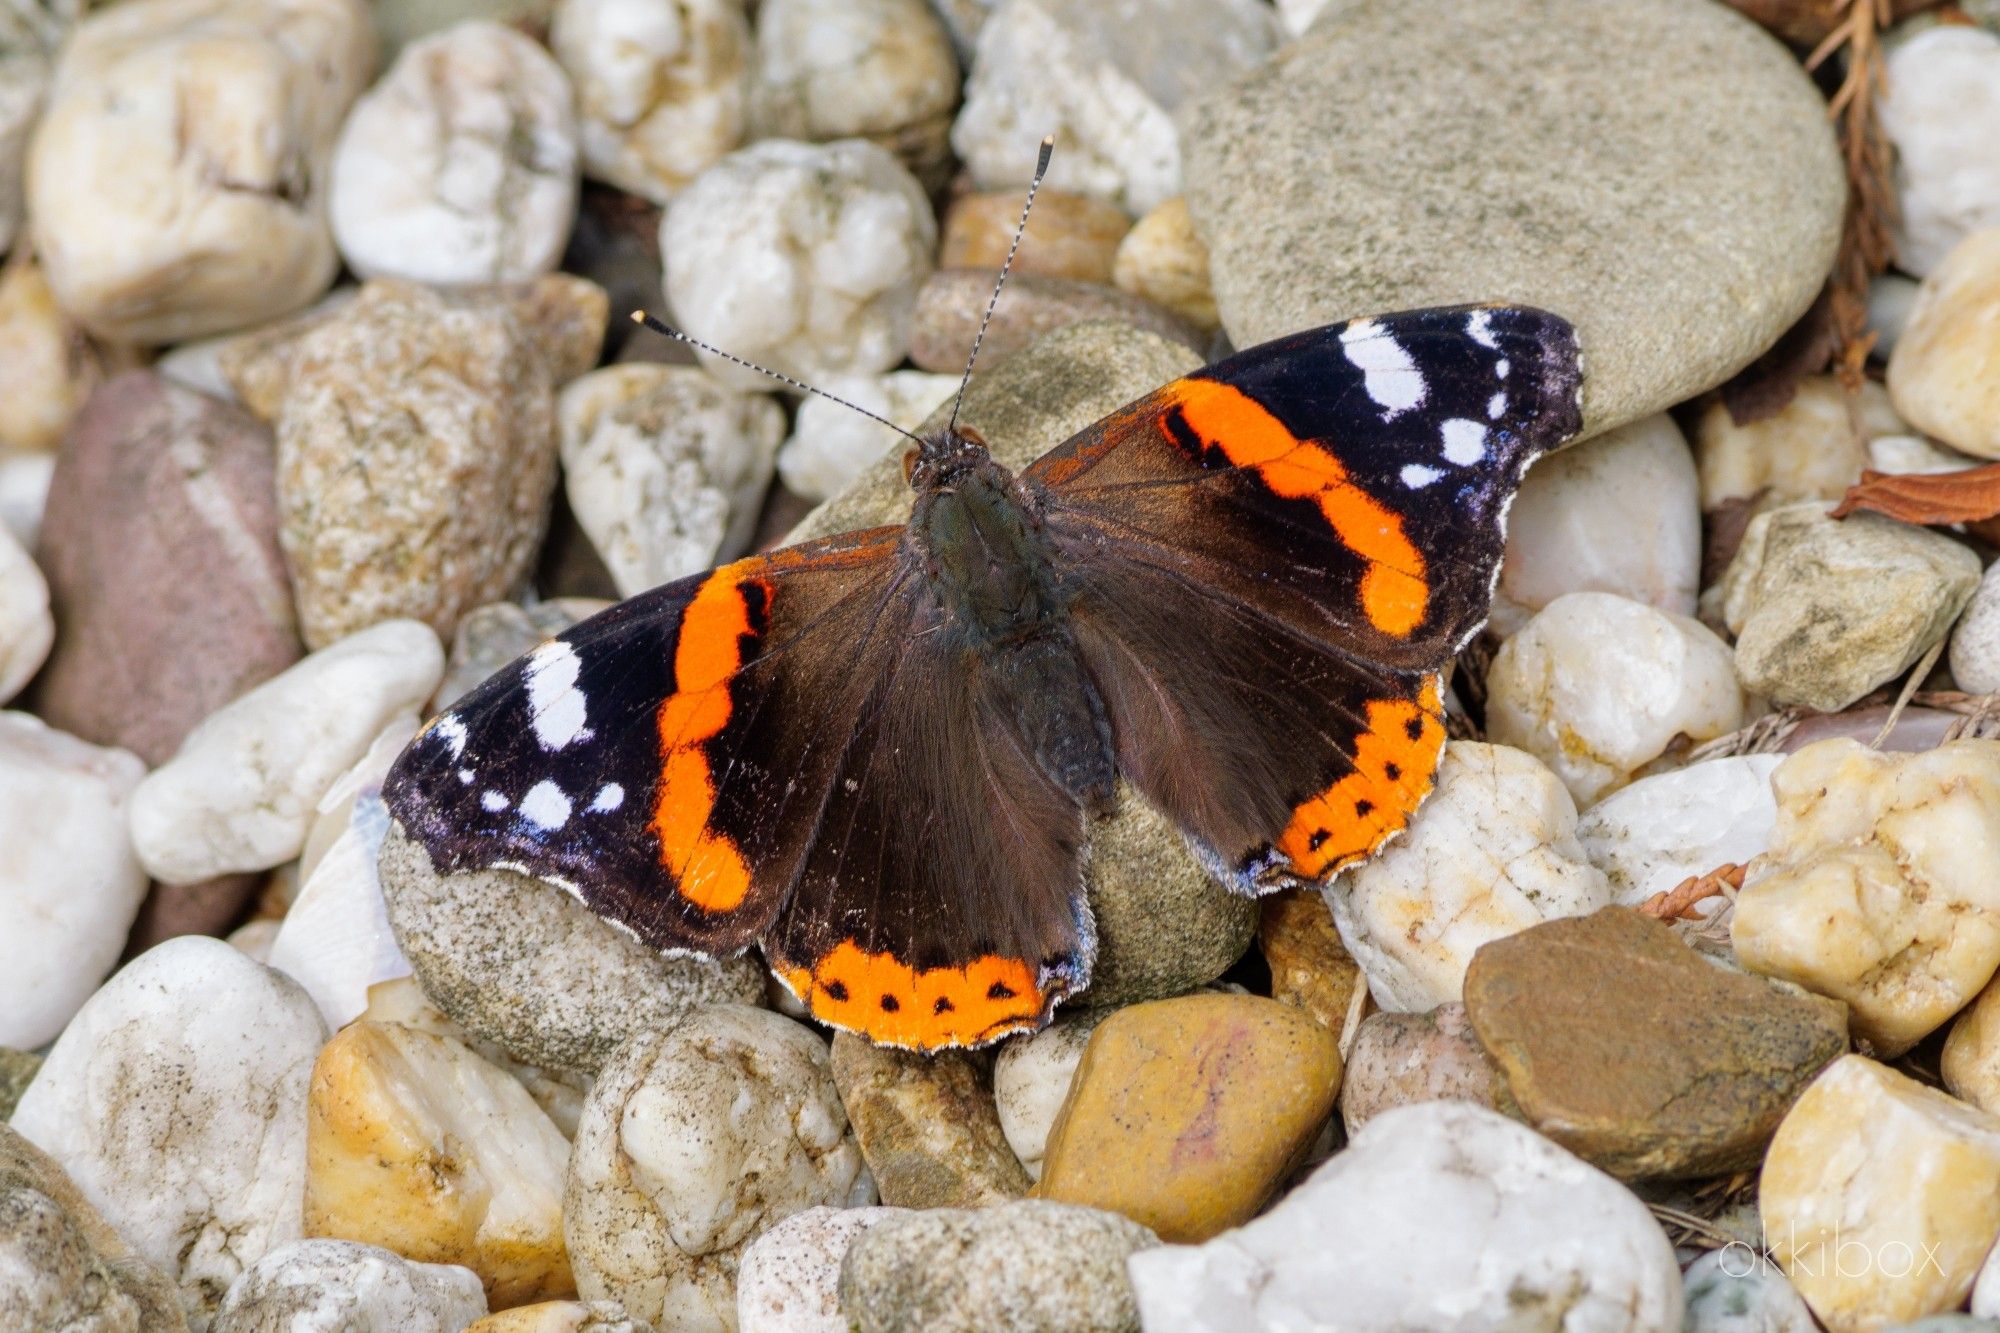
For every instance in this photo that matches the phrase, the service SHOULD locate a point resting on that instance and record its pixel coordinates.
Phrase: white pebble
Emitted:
(838, 69)
(1940, 108)
(1737, 1289)
(174, 185)
(1650, 836)
(789, 1278)
(340, 1286)
(1942, 375)
(24, 492)
(1031, 1079)
(1807, 451)
(665, 468)
(805, 258)
(69, 882)
(240, 793)
(1620, 513)
(1106, 80)
(1493, 851)
(830, 445)
(176, 1100)
(1975, 643)
(460, 166)
(27, 629)
(662, 86)
(1597, 687)
(1441, 1215)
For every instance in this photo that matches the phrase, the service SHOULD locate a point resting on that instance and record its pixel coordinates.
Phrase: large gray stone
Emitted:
(1659, 172)
(1163, 926)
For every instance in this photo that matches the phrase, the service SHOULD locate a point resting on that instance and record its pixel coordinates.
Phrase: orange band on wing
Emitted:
(708, 867)
(1394, 591)
(1395, 765)
(893, 1004)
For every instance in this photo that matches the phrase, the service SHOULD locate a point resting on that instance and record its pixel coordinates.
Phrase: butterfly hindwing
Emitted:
(1274, 558)
(662, 760)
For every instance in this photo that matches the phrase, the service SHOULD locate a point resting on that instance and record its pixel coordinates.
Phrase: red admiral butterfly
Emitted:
(876, 755)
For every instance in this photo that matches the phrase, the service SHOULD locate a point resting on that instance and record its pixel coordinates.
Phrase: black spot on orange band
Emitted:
(922, 1009)
(1395, 766)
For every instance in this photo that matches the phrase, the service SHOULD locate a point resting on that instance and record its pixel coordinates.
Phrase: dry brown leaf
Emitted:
(1677, 903)
(1971, 496)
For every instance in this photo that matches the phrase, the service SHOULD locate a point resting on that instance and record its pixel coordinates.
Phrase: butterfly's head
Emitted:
(943, 457)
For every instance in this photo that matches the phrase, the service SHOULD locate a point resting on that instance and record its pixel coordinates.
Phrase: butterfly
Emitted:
(877, 755)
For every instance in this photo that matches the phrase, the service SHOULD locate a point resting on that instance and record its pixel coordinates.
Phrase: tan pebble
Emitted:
(1163, 260)
(1068, 235)
(1186, 1114)
(1310, 968)
(927, 1126)
(47, 366)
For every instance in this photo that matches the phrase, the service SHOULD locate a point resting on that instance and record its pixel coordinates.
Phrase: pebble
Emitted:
(27, 630)
(1824, 610)
(176, 1100)
(1031, 1081)
(30, 35)
(1400, 1059)
(1939, 110)
(831, 445)
(1975, 641)
(384, 1098)
(521, 964)
(47, 367)
(1442, 1215)
(561, 1317)
(789, 1278)
(881, 70)
(65, 1267)
(953, 302)
(160, 542)
(175, 183)
(1163, 260)
(446, 405)
(1890, 297)
(24, 488)
(665, 468)
(1900, 1178)
(1670, 295)
(662, 87)
(1875, 888)
(336, 1286)
(1187, 1114)
(240, 793)
(461, 165)
(1164, 926)
(69, 882)
(693, 1141)
(1310, 968)
(1731, 1291)
(1805, 451)
(1106, 79)
(1625, 1046)
(1914, 455)
(1069, 235)
(491, 636)
(1970, 1060)
(804, 258)
(1619, 514)
(927, 1126)
(1492, 852)
(1597, 686)
(1649, 837)
(1941, 374)
(1029, 1267)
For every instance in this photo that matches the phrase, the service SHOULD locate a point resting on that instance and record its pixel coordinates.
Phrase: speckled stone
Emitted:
(951, 303)
(524, 965)
(1310, 968)
(927, 1126)
(1423, 152)
(1401, 1058)
(1027, 1267)
(1163, 926)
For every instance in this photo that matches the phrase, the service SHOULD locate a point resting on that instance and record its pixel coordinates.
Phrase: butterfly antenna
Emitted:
(662, 327)
(1041, 170)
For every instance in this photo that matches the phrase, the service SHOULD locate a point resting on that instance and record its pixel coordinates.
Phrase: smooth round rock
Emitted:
(522, 964)
(1031, 1078)
(338, 1286)
(789, 1277)
(1028, 1267)
(1400, 1059)
(1395, 157)
(1942, 373)
(1940, 108)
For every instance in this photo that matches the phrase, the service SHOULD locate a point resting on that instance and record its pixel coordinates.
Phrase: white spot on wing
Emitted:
(545, 805)
(1479, 328)
(554, 703)
(493, 801)
(1391, 378)
(609, 797)
(1496, 405)
(1501, 367)
(453, 731)
(1464, 441)
(1416, 476)
(465, 775)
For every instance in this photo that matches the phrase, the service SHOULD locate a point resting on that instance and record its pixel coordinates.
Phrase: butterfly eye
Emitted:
(910, 462)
